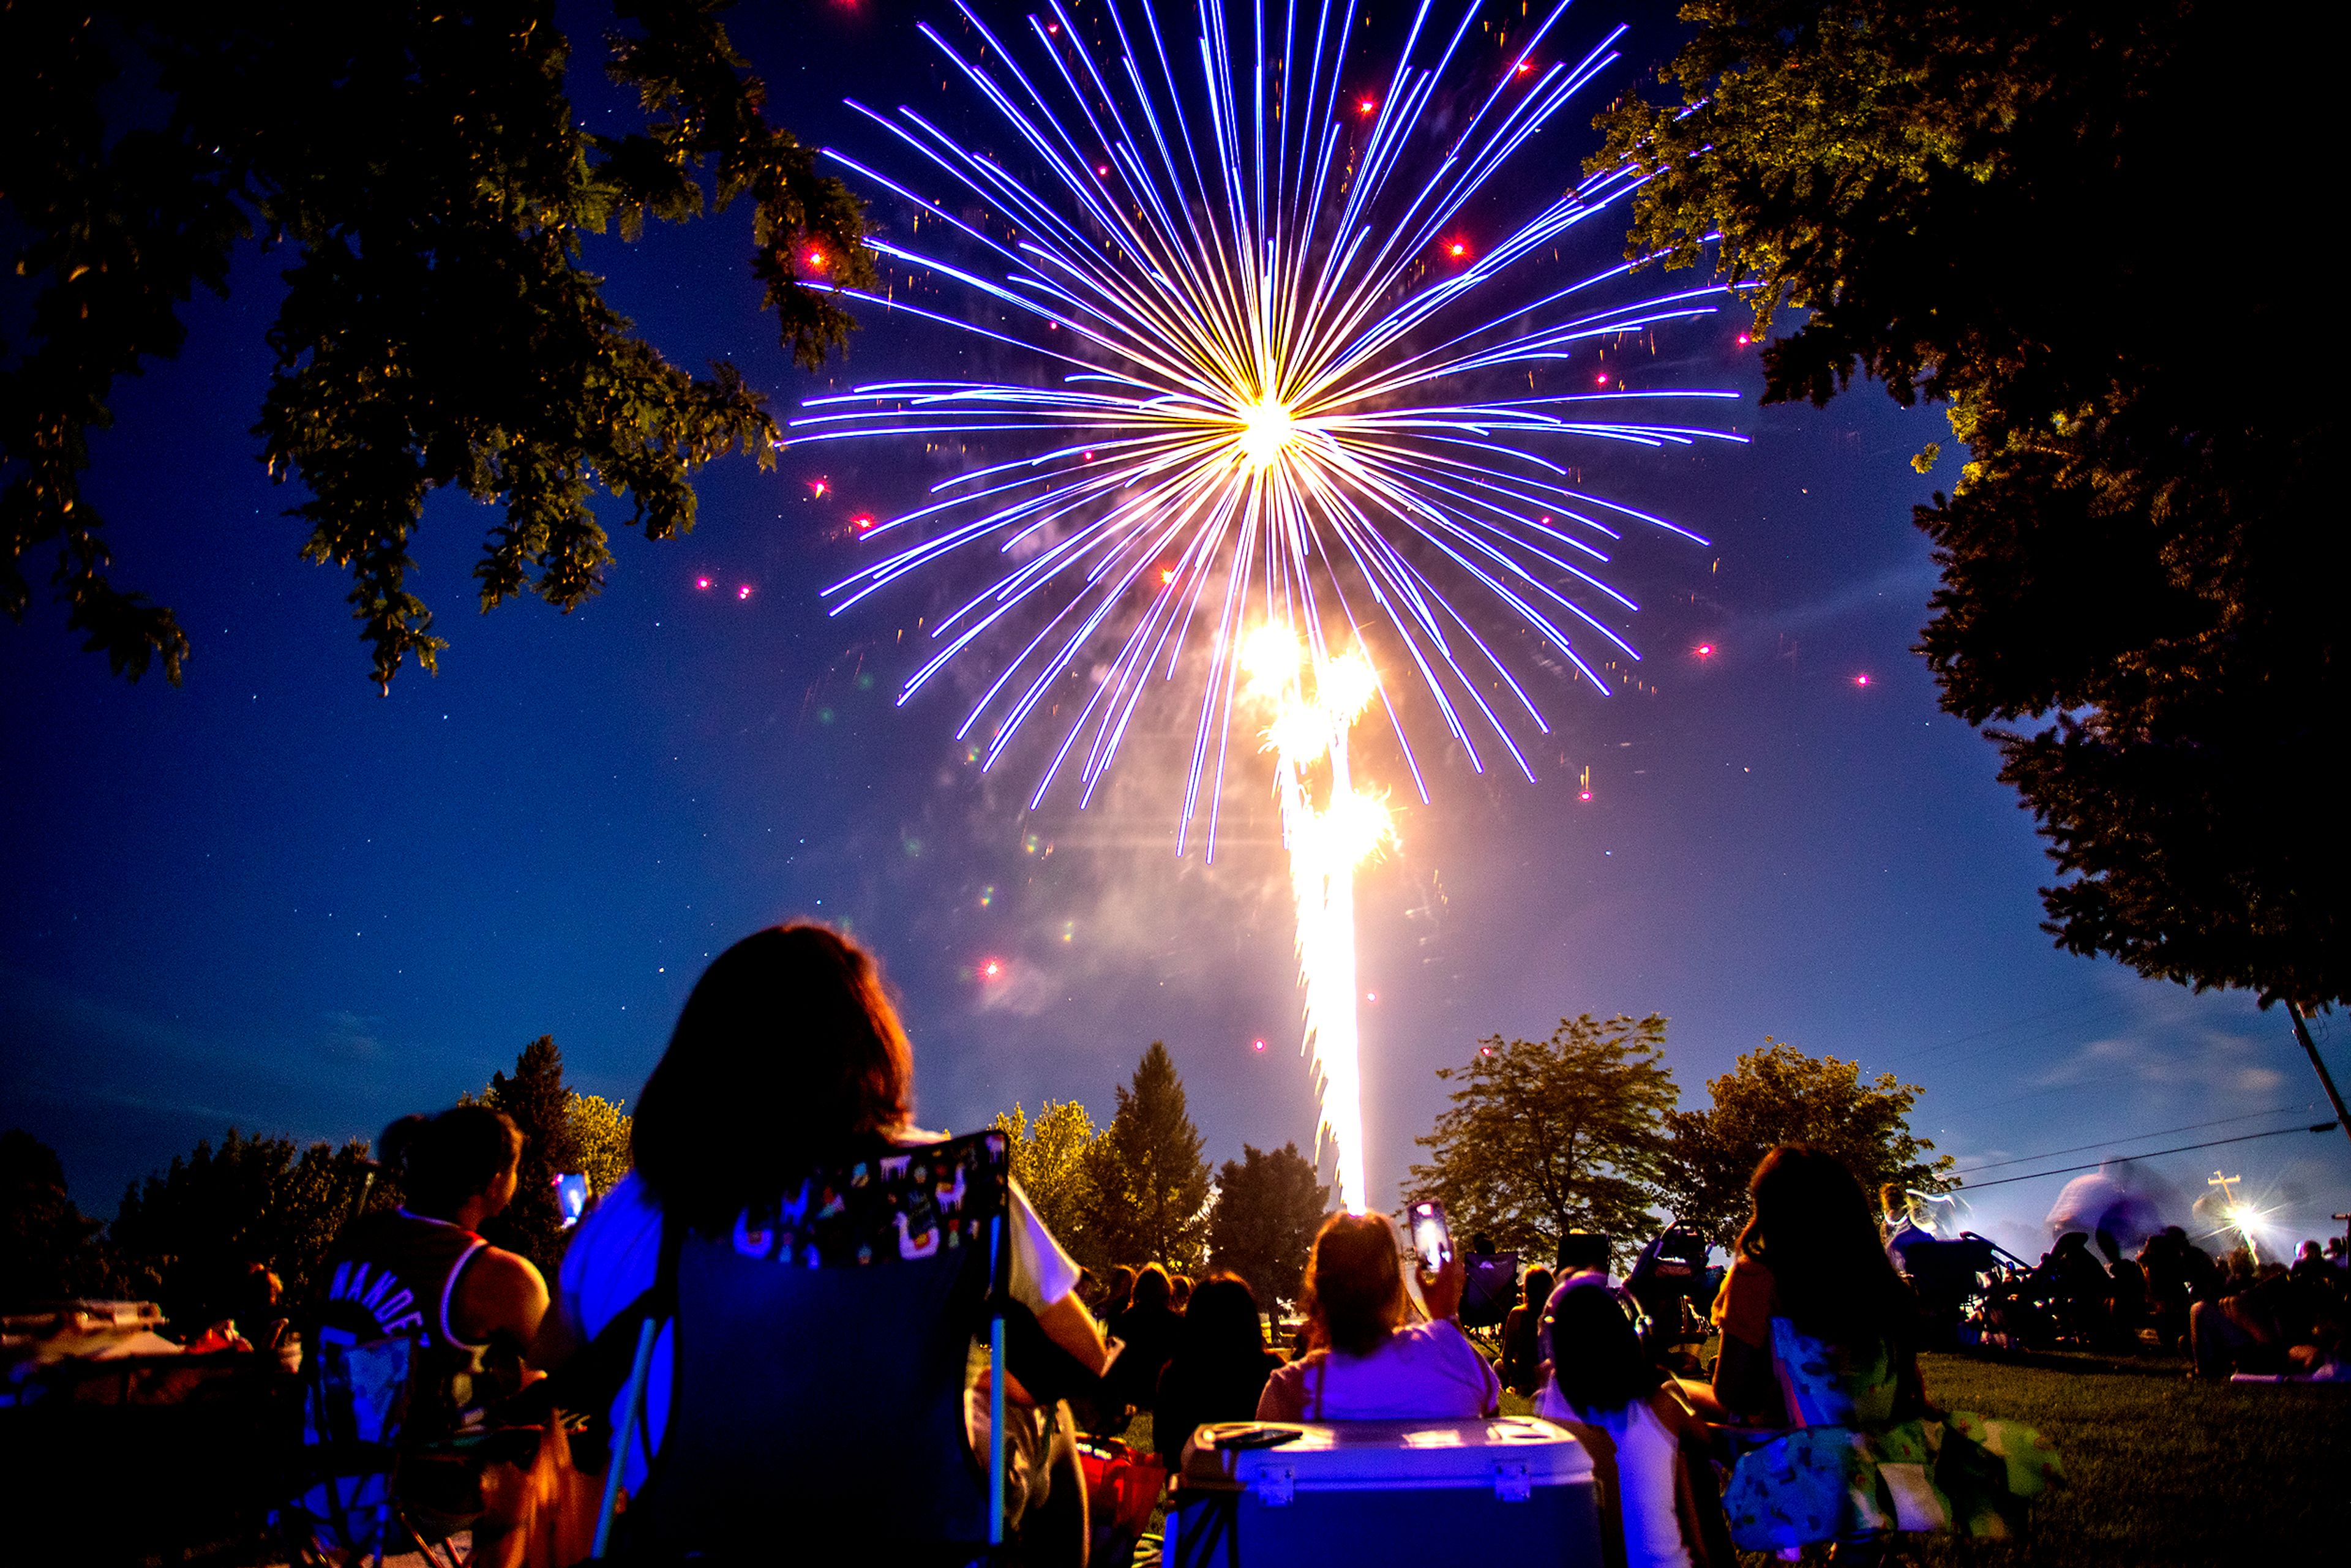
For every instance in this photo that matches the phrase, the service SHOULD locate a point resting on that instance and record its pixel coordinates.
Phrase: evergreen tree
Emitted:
(540, 1103)
(1150, 1184)
(1779, 1095)
(1546, 1136)
(1268, 1207)
(1049, 1161)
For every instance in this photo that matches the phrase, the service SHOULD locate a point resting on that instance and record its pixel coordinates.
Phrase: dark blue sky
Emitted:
(275, 899)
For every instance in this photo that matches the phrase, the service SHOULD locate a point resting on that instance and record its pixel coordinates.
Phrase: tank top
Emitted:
(399, 1272)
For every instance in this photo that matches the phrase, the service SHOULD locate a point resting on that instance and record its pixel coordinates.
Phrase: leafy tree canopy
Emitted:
(184, 1236)
(1150, 1184)
(1050, 1161)
(2021, 212)
(425, 170)
(1268, 1207)
(1779, 1095)
(1546, 1136)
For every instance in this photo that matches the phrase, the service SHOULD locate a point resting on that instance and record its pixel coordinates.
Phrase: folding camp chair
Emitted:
(819, 1359)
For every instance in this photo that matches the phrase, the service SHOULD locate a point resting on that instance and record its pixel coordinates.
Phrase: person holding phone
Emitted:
(1364, 1361)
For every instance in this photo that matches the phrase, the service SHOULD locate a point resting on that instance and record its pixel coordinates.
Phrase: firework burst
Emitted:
(1272, 383)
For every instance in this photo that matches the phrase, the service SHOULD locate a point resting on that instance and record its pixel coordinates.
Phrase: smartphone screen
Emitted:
(571, 1197)
(1432, 1239)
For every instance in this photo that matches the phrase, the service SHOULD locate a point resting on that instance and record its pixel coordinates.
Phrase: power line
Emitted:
(2123, 1138)
(2151, 1154)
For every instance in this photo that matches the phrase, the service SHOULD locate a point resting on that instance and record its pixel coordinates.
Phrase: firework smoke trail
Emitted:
(1275, 383)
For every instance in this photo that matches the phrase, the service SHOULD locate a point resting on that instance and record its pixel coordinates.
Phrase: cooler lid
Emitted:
(1383, 1455)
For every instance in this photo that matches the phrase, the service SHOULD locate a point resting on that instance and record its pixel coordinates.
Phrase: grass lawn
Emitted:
(2160, 1470)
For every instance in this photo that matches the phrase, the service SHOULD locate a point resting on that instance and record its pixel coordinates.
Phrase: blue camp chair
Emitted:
(820, 1356)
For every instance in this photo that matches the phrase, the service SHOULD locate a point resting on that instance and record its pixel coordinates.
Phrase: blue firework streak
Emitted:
(1253, 400)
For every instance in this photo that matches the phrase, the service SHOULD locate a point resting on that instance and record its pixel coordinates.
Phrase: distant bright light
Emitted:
(1604, 378)
(702, 582)
(1365, 104)
(1583, 795)
(1102, 169)
(1525, 65)
(816, 258)
(1861, 680)
(819, 486)
(991, 968)
(1168, 574)
(1705, 649)
(1257, 1045)
(861, 522)
(743, 591)
(1371, 996)
(1742, 340)
(1456, 250)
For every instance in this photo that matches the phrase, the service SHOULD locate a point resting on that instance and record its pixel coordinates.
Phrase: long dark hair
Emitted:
(1595, 1355)
(1354, 1284)
(443, 1160)
(786, 1052)
(1812, 1228)
(1220, 1330)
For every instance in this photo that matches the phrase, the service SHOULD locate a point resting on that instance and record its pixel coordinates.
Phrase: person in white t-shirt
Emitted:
(1366, 1364)
(786, 1052)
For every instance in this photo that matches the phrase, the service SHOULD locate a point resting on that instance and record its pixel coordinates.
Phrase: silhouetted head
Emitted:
(787, 1053)
(1538, 1287)
(1597, 1357)
(1152, 1286)
(1354, 1284)
(1220, 1326)
(1812, 1227)
(465, 1152)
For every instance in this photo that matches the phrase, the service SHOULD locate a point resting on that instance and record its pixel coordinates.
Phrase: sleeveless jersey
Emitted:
(399, 1271)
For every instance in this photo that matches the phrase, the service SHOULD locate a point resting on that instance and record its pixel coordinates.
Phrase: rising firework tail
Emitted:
(1275, 382)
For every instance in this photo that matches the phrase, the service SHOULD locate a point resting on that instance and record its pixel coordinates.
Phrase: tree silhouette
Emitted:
(1779, 1095)
(1546, 1136)
(1268, 1207)
(1980, 205)
(541, 1104)
(1150, 1184)
(436, 187)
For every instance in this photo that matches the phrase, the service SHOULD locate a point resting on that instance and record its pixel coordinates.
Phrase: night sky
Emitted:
(272, 898)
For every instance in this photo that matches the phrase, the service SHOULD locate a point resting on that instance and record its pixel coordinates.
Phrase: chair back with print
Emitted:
(821, 1360)
(355, 1406)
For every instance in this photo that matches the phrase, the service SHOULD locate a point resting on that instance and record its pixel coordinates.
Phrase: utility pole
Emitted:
(2302, 1033)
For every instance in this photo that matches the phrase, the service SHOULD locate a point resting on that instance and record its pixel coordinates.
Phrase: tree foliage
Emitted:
(599, 1133)
(1268, 1207)
(543, 1106)
(435, 186)
(1779, 1095)
(2004, 209)
(1150, 1184)
(1546, 1136)
(1050, 1161)
(48, 1249)
(184, 1235)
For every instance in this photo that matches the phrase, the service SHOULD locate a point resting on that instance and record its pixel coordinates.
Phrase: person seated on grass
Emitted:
(1146, 1332)
(2278, 1326)
(1520, 1373)
(1659, 1505)
(787, 1058)
(1219, 1367)
(1820, 1335)
(1366, 1364)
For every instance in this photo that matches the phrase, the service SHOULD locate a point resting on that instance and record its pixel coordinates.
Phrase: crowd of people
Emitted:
(1812, 1424)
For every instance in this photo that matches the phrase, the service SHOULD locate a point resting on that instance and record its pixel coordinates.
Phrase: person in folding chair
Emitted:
(813, 1271)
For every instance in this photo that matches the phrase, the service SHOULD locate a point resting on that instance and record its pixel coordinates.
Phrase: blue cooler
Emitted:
(1512, 1490)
